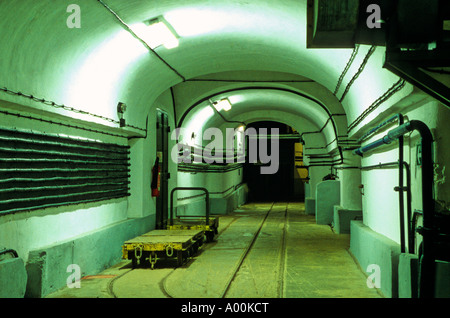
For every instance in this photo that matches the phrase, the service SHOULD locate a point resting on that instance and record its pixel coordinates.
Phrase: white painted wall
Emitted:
(215, 182)
(26, 231)
(350, 181)
(380, 201)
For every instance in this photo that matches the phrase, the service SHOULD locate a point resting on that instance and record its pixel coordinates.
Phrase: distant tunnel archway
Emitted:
(287, 184)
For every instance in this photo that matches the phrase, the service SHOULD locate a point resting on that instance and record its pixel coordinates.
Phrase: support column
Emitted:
(350, 206)
(350, 178)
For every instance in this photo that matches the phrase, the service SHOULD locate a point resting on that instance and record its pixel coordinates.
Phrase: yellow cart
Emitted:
(158, 244)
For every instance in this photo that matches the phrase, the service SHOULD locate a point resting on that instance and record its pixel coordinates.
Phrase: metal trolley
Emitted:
(158, 244)
(182, 239)
(209, 225)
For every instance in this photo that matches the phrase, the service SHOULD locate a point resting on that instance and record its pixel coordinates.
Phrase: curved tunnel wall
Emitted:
(70, 81)
(136, 76)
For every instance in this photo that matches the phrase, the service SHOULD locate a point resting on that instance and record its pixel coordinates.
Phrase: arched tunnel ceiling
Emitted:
(192, 91)
(256, 104)
(96, 66)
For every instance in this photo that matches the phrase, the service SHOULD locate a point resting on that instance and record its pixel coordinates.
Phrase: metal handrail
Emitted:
(189, 188)
(9, 250)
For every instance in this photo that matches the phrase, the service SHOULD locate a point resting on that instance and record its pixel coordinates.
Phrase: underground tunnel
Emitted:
(237, 149)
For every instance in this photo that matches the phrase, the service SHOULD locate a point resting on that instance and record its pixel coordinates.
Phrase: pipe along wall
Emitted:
(427, 275)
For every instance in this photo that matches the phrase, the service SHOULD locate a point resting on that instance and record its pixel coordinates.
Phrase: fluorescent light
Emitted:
(157, 32)
(222, 104)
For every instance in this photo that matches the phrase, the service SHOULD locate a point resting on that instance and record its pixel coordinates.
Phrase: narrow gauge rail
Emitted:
(244, 256)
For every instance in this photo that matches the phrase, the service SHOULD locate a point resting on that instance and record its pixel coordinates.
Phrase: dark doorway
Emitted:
(162, 152)
(282, 185)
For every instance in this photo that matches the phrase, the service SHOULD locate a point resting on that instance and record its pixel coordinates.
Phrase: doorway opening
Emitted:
(287, 184)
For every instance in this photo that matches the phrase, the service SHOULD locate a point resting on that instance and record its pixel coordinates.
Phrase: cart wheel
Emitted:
(195, 248)
(209, 236)
(179, 258)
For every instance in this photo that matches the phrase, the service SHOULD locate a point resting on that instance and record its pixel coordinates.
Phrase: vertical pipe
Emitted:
(400, 186)
(410, 229)
(427, 274)
(207, 207)
(171, 206)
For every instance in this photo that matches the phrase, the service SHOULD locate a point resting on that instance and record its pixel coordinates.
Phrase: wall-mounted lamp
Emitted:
(121, 108)
(222, 104)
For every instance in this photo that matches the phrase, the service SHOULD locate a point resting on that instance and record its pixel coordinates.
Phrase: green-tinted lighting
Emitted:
(222, 104)
(157, 32)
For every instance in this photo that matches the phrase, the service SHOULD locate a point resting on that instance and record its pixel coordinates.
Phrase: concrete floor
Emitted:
(292, 257)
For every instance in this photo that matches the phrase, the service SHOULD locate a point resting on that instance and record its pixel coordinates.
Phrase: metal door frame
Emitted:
(162, 150)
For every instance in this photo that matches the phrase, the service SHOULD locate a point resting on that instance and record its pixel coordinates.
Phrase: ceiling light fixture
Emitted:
(158, 32)
(222, 104)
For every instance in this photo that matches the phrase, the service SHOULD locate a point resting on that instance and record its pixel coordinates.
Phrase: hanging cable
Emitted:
(61, 124)
(64, 107)
(347, 67)
(360, 69)
(53, 104)
(388, 94)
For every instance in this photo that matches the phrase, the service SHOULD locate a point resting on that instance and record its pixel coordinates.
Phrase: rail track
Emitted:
(271, 218)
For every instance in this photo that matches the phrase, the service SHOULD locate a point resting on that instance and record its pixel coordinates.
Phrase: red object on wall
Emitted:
(156, 179)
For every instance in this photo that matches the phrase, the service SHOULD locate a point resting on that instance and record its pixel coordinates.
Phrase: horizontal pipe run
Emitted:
(38, 170)
(45, 137)
(44, 205)
(74, 144)
(62, 150)
(202, 167)
(60, 181)
(54, 201)
(376, 166)
(16, 153)
(361, 150)
(391, 136)
(373, 130)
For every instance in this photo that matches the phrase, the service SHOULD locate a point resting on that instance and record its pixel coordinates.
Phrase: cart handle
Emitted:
(189, 188)
(9, 251)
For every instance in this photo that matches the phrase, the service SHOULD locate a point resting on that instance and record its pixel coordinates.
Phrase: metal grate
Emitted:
(39, 170)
